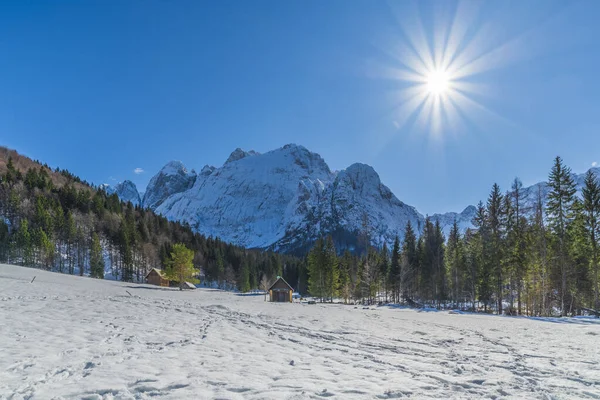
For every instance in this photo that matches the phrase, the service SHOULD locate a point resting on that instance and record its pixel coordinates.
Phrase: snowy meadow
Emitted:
(70, 337)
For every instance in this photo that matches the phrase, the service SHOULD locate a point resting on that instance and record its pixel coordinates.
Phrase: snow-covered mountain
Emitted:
(286, 198)
(126, 190)
(463, 219)
(283, 199)
(172, 179)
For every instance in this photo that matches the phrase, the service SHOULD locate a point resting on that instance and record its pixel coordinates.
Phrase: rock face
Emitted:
(126, 190)
(172, 179)
(282, 200)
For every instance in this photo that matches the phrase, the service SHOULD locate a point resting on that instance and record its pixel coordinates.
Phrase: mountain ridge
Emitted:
(284, 199)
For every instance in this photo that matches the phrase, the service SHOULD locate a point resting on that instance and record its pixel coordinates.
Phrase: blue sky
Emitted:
(105, 87)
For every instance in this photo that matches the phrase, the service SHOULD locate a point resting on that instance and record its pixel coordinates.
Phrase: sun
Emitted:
(438, 82)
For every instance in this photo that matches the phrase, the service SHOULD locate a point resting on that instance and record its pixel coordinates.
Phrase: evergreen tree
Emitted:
(591, 210)
(409, 263)
(344, 275)
(456, 263)
(331, 268)
(560, 214)
(25, 244)
(45, 249)
(316, 270)
(495, 214)
(482, 255)
(244, 285)
(394, 272)
(96, 258)
(518, 251)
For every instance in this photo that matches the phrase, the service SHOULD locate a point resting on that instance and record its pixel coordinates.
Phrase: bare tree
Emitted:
(264, 285)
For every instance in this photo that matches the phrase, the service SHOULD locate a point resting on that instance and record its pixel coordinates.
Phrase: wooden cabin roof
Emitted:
(280, 283)
(156, 271)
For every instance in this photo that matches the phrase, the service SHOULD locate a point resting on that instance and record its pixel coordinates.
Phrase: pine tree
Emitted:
(518, 240)
(591, 209)
(482, 256)
(560, 215)
(455, 262)
(495, 214)
(45, 248)
(384, 266)
(394, 272)
(316, 270)
(344, 268)
(408, 273)
(181, 267)
(70, 237)
(25, 244)
(331, 268)
(96, 258)
(244, 285)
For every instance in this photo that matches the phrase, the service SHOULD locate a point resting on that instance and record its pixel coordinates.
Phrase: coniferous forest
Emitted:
(53, 220)
(517, 259)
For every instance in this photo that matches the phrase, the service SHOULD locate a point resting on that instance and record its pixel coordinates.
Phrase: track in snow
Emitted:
(71, 337)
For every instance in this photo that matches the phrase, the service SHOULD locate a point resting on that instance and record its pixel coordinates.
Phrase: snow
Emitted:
(75, 337)
(126, 190)
(283, 200)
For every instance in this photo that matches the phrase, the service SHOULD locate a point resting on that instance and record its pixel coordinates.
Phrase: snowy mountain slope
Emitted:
(245, 201)
(354, 198)
(463, 219)
(173, 178)
(284, 200)
(126, 190)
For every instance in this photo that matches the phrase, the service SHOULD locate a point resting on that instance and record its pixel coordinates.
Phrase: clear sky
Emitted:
(107, 87)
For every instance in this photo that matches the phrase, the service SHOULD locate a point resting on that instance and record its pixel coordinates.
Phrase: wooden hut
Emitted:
(281, 291)
(156, 277)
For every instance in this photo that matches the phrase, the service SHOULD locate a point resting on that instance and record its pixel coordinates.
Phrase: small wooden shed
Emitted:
(281, 291)
(156, 277)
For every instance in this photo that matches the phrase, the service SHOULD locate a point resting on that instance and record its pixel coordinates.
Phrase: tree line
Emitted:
(77, 228)
(518, 259)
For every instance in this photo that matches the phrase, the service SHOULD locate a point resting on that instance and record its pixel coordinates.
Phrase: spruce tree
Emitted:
(244, 285)
(332, 273)
(482, 256)
(518, 252)
(408, 272)
(345, 284)
(394, 272)
(455, 263)
(317, 275)
(560, 214)
(96, 258)
(495, 215)
(24, 244)
(591, 209)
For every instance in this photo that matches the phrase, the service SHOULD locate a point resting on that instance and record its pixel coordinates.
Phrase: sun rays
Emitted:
(438, 61)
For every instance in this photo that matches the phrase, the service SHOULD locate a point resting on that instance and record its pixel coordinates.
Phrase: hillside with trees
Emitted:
(51, 219)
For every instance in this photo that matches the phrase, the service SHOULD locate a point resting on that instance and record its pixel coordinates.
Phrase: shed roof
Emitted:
(280, 279)
(158, 271)
(189, 285)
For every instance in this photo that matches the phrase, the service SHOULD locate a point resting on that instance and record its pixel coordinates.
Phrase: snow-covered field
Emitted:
(70, 337)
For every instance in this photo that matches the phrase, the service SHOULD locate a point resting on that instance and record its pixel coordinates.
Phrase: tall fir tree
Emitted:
(394, 271)
(591, 210)
(495, 214)
(96, 258)
(560, 214)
